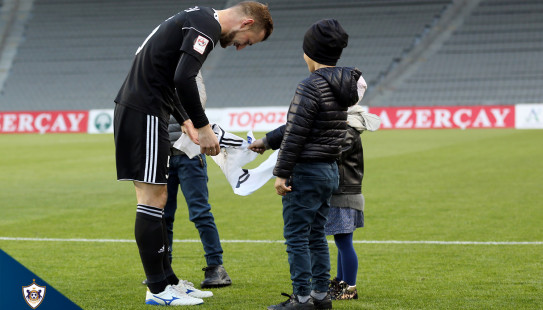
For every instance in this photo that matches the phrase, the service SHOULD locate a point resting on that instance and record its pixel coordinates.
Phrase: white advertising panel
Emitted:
(101, 121)
(529, 116)
(245, 119)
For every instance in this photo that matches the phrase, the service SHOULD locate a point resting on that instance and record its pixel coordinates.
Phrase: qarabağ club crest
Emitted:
(33, 294)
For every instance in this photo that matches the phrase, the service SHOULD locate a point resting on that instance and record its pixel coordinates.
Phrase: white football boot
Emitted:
(188, 288)
(171, 297)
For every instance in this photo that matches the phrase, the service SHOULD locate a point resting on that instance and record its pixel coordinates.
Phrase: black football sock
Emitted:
(149, 238)
(166, 263)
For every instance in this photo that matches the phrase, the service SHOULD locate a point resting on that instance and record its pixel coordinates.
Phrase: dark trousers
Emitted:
(191, 176)
(304, 214)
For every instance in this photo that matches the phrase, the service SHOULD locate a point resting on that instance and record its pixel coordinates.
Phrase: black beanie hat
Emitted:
(324, 41)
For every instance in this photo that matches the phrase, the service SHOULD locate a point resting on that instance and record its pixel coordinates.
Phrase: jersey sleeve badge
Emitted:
(200, 44)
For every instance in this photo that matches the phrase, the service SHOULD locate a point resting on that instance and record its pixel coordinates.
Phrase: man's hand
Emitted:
(188, 129)
(280, 186)
(209, 144)
(257, 146)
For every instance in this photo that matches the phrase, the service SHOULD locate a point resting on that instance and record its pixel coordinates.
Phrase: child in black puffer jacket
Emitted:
(306, 169)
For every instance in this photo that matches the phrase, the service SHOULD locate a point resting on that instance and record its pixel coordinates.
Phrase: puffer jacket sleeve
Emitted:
(275, 137)
(301, 115)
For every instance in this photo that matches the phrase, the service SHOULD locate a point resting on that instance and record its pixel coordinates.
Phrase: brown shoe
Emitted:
(346, 293)
(334, 289)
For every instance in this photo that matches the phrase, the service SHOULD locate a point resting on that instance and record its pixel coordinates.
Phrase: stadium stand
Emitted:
(267, 75)
(495, 56)
(74, 54)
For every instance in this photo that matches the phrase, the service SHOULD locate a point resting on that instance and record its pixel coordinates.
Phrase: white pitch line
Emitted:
(282, 241)
(450, 242)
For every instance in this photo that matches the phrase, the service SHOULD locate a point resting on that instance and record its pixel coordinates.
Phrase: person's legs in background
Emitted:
(192, 174)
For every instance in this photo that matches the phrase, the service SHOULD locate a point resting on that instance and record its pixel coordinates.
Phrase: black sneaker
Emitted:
(293, 303)
(325, 303)
(215, 276)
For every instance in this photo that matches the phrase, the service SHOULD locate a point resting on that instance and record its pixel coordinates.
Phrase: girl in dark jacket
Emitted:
(306, 169)
(347, 203)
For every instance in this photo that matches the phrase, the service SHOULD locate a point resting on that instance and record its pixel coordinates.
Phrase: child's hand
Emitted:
(281, 187)
(257, 146)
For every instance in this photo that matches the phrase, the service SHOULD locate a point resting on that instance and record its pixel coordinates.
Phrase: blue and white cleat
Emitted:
(171, 297)
(188, 288)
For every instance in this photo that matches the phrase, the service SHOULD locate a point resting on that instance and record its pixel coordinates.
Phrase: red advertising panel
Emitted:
(446, 117)
(44, 122)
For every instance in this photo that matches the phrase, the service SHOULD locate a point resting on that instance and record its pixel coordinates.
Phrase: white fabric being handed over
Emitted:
(233, 156)
(226, 140)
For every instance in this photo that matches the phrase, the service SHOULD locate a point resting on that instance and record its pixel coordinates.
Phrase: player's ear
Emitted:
(247, 23)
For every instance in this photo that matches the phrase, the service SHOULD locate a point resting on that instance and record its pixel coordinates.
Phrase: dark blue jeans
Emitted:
(191, 176)
(305, 209)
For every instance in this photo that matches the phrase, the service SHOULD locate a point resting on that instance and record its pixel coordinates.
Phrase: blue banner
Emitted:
(21, 289)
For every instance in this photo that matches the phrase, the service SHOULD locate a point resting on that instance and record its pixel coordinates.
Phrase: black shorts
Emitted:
(142, 146)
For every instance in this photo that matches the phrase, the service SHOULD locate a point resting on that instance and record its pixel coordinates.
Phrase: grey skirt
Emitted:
(343, 221)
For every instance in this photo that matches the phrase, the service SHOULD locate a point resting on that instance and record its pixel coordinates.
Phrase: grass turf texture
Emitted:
(446, 185)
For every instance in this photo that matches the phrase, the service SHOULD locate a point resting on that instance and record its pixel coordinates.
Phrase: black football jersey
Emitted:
(149, 86)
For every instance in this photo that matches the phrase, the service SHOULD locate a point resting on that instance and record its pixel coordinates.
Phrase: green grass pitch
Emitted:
(420, 185)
